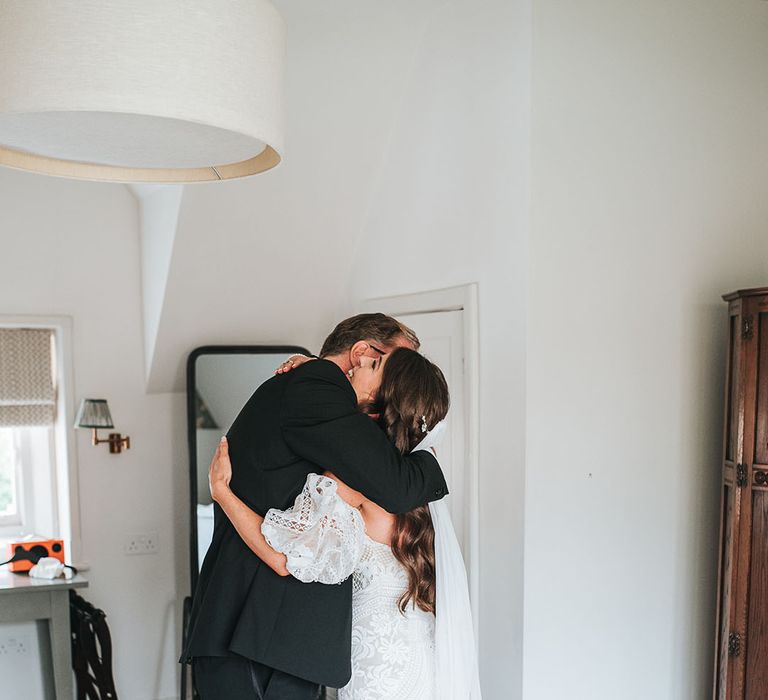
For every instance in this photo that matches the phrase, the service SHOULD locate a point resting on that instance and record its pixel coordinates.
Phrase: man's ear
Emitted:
(357, 351)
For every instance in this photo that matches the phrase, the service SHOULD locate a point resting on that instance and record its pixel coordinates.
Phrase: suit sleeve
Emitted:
(322, 424)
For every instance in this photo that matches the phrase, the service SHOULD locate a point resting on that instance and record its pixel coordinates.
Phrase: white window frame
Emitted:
(65, 478)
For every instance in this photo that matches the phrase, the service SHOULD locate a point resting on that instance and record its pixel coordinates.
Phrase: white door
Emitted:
(447, 324)
(442, 341)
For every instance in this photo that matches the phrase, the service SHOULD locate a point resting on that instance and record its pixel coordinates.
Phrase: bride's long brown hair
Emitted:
(413, 394)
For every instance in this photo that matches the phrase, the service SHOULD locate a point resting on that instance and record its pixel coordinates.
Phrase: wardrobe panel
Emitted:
(757, 626)
(761, 417)
(732, 389)
(726, 558)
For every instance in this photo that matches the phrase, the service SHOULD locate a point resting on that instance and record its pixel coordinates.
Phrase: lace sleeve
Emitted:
(321, 535)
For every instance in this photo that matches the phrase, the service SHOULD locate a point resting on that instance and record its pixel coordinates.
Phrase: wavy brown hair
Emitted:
(413, 392)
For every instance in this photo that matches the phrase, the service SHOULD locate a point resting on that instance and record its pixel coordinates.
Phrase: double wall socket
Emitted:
(21, 667)
(141, 544)
(14, 646)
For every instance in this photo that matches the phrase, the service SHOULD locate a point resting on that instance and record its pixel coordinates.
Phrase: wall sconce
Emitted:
(94, 413)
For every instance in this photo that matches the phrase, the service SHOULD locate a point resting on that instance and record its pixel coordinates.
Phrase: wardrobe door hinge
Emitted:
(734, 644)
(741, 475)
(747, 327)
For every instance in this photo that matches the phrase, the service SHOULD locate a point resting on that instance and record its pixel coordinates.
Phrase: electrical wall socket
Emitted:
(21, 668)
(14, 646)
(141, 544)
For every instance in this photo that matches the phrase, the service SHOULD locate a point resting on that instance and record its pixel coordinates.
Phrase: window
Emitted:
(27, 476)
(10, 480)
(28, 417)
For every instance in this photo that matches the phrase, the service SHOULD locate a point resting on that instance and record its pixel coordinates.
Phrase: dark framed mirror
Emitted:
(220, 379)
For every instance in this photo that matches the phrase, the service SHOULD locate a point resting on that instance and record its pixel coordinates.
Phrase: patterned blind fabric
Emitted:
(27, 386)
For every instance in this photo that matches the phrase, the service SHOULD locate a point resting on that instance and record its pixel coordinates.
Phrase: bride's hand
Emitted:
(292, 362)
(220, 471)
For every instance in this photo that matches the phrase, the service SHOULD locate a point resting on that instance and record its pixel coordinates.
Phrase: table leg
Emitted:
(61, 649)
(46, 658)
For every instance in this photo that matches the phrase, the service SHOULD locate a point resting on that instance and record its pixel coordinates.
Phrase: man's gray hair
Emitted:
(377, 328)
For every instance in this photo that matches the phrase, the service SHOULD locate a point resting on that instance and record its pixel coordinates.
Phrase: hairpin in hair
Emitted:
(423, 424)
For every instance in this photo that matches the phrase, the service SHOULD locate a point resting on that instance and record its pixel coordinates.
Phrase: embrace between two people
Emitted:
(328, 475)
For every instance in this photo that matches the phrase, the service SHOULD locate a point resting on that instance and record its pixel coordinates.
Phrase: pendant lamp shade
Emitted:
(141, 91)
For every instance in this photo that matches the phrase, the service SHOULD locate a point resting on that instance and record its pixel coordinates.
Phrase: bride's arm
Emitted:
(319, 539)
(245, 521)
(352, 497)
(292, 362)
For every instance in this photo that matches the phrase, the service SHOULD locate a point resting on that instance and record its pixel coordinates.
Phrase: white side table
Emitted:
(25, 599)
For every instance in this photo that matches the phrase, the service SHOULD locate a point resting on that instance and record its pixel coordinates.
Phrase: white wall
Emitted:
(72, 248)
(650, 165)
(449, 206)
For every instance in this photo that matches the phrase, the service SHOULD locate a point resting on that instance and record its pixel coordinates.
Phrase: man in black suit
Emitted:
(252, 633)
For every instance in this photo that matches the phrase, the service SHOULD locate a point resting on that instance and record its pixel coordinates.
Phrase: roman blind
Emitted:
(27, 377)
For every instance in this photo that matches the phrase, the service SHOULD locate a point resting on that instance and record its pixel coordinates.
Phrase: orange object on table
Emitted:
(29, 551)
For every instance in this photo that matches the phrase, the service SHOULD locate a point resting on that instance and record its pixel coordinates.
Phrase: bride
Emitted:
(412, 635)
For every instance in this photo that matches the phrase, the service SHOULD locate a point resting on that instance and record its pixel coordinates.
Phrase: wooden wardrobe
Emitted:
(741, 649)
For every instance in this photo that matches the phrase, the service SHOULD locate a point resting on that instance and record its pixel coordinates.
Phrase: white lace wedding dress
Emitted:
(393, 653)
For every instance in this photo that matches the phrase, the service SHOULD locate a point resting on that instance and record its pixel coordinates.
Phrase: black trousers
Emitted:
(238, 678)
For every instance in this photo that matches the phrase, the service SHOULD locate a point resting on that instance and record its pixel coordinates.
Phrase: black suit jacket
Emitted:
(295, 424)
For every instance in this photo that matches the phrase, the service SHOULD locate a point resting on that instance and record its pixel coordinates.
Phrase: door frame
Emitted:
(462, 298)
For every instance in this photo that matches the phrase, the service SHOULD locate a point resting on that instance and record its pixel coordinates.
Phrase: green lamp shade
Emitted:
(94, 413)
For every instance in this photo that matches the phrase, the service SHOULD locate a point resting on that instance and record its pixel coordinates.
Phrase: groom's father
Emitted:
(254, 634)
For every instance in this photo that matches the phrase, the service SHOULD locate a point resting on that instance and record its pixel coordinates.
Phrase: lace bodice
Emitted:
(392, 652)
(324, 540)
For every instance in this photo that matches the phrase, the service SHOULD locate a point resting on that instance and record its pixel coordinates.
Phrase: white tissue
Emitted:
(48, 567)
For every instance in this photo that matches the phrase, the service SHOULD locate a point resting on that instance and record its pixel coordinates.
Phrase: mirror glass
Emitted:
(219, 382)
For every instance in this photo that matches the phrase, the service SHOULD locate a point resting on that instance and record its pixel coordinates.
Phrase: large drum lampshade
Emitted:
(141, 90)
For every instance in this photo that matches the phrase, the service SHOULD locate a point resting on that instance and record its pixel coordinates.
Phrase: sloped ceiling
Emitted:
(268, 259)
